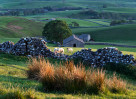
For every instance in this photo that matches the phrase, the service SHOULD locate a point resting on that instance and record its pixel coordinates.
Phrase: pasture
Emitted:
(118, 34)
(13, 27)
(36, 3)
(120, 10)
(13, 69)
(13, 78)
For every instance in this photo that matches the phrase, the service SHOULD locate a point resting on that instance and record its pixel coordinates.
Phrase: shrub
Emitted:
(70, 78)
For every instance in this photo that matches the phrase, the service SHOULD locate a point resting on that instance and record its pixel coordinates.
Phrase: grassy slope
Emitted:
(13, 76)
(120, 10)
(13, 27)
(37, 3)
(121, 33)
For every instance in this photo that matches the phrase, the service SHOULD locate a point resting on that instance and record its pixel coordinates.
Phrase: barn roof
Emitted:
(84, 35)
(71, 38)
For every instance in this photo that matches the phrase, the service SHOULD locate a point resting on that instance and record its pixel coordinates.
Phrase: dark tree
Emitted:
(57, 30)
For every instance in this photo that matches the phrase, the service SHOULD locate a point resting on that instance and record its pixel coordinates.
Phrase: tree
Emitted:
(56, 30)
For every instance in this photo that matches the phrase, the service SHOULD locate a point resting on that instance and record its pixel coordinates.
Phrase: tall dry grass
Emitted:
(116, 85)
(72, 79)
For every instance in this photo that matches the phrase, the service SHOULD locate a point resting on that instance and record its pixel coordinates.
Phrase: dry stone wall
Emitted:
(37, 47)
(103, 56)
(6, 46)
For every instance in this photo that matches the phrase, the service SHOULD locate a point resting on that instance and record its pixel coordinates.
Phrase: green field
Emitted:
(37, 4)
(82, 23)
(121, 33)
(13, 78)
(13, 69)
(12, 27)
(16, 27)
(120, 10)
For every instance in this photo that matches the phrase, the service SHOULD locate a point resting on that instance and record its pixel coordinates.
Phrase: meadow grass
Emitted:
(35, 4)
(15, 27)
(71, 78)
(120, 33)
(120, 10)
(13, 76)
(82, 23)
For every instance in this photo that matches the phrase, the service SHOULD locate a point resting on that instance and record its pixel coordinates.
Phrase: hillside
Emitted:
(12, 27)
(58, 3)
(121, 33)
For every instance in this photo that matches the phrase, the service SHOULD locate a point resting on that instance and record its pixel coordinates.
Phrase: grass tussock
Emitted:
(116, 85)
(18, 94)
(72, 79)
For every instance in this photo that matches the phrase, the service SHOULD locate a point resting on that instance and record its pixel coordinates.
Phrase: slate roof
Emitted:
(71, 38)
(84, 35)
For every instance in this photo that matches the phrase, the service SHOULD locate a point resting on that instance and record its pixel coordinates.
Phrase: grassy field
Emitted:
(13, 78)
(120, 10)
(121, 33)
(13, 27)
(55, 14)
(37, 3)
(82, 23)
(16, 27)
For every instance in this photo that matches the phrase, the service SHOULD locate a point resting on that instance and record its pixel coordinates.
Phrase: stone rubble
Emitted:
(34, 47)
(37, 47)
(102, 56)
(6, 46)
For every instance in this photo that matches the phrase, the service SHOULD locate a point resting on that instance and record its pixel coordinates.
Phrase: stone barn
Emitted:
(73, 41)
(85, 37)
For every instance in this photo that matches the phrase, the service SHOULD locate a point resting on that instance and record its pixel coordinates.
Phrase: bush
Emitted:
(129, 70)
(70, 78)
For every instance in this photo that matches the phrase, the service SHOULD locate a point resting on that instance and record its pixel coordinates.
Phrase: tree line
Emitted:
(92, 14)
(34, 11)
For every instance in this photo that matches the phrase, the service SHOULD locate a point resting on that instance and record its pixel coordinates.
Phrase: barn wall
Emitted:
(70, 44)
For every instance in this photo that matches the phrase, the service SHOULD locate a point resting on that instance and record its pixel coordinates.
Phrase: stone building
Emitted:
(73, 41)
(85, 37)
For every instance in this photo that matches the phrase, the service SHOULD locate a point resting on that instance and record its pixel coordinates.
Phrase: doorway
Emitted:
(74, 45)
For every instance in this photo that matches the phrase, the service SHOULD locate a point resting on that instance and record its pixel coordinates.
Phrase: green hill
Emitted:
(13, 27)
(121, 33)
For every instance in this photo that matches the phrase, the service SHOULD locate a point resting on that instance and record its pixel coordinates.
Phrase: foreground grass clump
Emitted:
(16, 93)
(116, 85)
(69, 78)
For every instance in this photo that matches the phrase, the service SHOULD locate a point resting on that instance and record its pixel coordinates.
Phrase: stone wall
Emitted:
(6, 46)
(102, 56)
(37, 47)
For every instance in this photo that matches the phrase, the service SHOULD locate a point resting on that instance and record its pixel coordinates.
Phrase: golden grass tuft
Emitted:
(72, 79)
(116, 85)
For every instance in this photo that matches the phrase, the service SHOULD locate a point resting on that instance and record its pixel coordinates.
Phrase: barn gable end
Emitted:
(73, 41)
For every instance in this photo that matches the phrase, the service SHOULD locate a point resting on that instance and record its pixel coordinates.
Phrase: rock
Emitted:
(102, 56)
(6, 46)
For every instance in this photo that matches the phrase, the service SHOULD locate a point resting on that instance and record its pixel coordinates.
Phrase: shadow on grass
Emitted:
(10, 81)
(16, 67)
